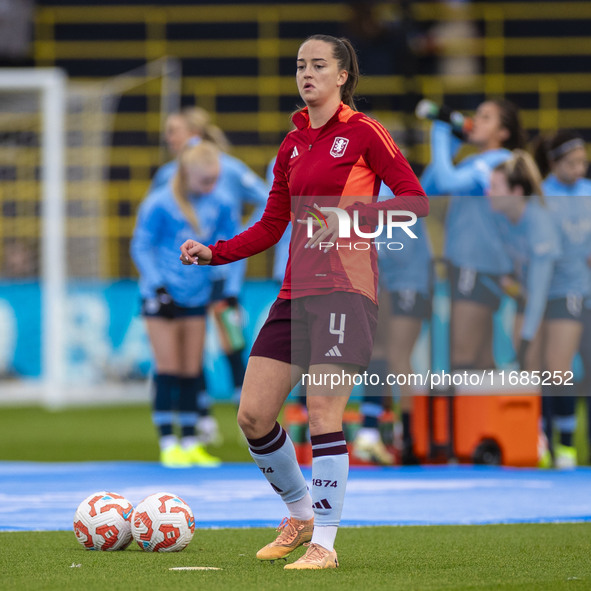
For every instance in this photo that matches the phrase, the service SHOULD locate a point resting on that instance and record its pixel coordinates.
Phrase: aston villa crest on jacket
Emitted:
(338, 147)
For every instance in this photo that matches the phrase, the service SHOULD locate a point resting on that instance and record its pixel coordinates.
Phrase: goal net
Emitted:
(67, 327)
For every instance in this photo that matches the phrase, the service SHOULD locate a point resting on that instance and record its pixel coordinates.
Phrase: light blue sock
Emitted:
(330, 468)
(275, 456)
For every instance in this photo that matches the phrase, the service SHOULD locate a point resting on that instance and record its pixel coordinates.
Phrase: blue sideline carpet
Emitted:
(44, 496)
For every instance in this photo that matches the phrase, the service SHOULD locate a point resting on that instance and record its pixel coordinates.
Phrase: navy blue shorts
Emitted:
(151, 310)
(217, 290)
(337, 327)
(567, 308)
(410, 303)
(473, 286)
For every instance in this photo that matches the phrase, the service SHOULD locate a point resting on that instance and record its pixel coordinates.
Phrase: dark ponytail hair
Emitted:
(511, 121)
(548, 150)
(344, 53)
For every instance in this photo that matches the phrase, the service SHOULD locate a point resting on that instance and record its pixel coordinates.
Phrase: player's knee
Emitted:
(246, 419)
(252, 424)
(322, 417)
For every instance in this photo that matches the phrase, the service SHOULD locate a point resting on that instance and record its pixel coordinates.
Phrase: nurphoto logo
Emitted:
(389, 219)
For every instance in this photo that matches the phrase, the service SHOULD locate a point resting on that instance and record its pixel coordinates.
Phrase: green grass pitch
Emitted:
(97, 434)
(544, 557)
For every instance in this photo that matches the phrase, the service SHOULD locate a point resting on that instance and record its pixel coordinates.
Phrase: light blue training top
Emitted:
(472, 239)
(410, 267)
(282, 247)
(571, 210)
(241, 186)
(533, 244)
(160, 230)
(552, 186)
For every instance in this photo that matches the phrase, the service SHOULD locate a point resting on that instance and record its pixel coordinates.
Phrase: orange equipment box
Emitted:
(488, 429)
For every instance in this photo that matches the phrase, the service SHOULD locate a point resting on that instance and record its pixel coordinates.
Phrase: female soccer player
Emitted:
(585, 351)
(190, 125)
(533, 244)
(243, 187)
(174, 300)
(325, 317)
(406, 276)
(472, 243)
(563, 159)
(568, 198)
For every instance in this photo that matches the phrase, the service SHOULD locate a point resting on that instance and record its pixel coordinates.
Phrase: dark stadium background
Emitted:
(238, 62)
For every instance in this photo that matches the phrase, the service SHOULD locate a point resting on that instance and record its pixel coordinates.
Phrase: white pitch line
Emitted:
(195, 568)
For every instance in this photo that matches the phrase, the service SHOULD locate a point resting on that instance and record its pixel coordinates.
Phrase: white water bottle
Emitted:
(460, 124)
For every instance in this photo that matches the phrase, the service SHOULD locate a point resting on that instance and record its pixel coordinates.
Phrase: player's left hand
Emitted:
(326, 235)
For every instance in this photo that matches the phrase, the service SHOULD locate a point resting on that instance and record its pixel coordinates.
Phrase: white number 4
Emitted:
(341, 330)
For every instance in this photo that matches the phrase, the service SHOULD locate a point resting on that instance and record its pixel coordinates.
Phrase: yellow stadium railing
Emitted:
(268, 48)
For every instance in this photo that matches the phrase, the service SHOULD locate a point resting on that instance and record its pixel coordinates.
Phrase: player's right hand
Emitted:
(511, 286)
(195, 253)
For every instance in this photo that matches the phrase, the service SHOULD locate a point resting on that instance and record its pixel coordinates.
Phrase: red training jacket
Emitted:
(340, 165)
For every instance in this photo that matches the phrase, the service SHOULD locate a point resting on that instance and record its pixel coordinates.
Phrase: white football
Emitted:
(103, 522)
(162, 522)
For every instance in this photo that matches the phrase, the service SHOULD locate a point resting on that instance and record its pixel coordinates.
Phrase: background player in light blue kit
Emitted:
(472, 244)
(241, 187)
(532, 241)
(281, 253)
(568, 193)
(174, 300)
(405, 276)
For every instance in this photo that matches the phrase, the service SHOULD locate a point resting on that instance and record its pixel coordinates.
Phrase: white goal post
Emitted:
(69, 331)
(50, 83)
